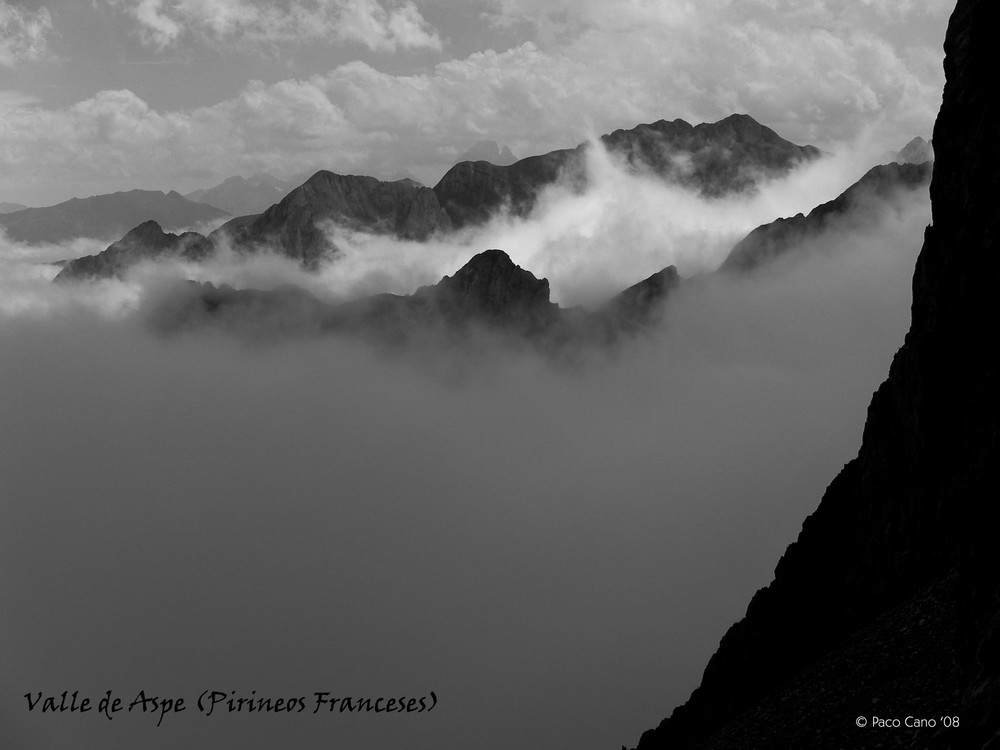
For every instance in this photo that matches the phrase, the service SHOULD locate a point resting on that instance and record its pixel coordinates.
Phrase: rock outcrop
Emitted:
(858, 207)
(916, 508)
(147, 241)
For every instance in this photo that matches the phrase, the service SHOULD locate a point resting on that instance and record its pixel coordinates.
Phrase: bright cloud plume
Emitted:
(368, 22)
(23, 34)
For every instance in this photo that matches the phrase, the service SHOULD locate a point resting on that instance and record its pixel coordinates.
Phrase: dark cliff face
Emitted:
(712, 158)
(918, 504)
(147, 241)
(295, 224)
(864, 202)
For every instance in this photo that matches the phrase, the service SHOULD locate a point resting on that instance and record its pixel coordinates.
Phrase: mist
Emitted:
(554, 553)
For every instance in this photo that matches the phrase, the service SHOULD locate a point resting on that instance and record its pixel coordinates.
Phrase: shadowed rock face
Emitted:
(712, 158)
(295, 225)
(864, 201)
(916, 509)
(147, 241)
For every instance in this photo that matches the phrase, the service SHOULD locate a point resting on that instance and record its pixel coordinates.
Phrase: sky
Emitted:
(113, 95)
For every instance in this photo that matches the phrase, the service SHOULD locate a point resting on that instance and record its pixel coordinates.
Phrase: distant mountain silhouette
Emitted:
(147, 241)
(9, 208)
(106, 216)
(490, 151)
(916, 151)
(888, 603)
(863, 203)
(239, 196)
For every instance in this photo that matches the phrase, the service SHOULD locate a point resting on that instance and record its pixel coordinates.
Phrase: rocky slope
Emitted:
(296, 225)
(917, 504)
(9, 208)
(860, 207)
(147, 241)
(714, 158)
(106, 216)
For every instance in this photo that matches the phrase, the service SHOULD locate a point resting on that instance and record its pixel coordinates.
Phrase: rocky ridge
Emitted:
(863, 203)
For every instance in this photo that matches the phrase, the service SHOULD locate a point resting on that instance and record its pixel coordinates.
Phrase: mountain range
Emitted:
(296, 224)
(105, 217)
(727, 156)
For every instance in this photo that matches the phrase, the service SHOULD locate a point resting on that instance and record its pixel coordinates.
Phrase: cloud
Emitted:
(23, 34)
(820, 72)
(250, 22)
(308, 515)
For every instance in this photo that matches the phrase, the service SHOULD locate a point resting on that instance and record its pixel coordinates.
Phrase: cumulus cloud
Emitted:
(23, 34)
(384, 28)
(821, 73)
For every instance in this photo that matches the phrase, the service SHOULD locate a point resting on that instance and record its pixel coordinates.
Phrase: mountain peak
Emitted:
(492, 286)
(917, 151)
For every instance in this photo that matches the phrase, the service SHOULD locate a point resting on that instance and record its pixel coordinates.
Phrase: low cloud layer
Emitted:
(554, 553)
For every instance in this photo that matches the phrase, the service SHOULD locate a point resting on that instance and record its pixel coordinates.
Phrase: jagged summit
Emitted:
(492, 286)
(712, 158)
